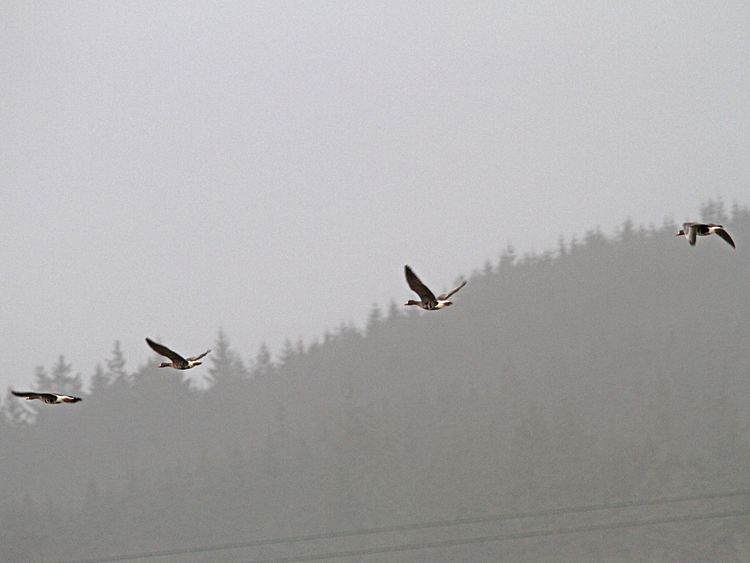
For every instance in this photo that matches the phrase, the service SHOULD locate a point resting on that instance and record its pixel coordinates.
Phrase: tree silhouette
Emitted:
(263, 364)
(63, 381)
(14, 412)
(116, 366)
(225, 363)
(42, 380)
(559, 379)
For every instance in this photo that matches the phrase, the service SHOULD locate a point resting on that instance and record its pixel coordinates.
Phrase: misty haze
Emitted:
(607, 370)
(253, 179)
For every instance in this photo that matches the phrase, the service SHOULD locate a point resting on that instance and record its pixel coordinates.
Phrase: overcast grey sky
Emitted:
(170, 168)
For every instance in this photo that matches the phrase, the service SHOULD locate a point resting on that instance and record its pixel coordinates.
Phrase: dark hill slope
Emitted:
(615, 367)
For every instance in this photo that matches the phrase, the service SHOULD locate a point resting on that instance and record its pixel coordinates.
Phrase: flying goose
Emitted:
(178, 362)
(691, 230)
(49, 398)
(429, 302)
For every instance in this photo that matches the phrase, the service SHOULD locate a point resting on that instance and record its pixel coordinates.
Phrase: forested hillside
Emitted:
(613, 368)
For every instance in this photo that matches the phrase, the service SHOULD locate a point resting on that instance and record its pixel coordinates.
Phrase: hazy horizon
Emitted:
(268, 169)
(557, 382)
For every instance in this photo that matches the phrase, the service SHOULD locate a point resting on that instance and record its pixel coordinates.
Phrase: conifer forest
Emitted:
(612, 369)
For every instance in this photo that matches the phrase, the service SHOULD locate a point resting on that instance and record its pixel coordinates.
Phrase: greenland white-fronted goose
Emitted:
(49, 398)
(693, 230)
(178, 362)
(428, 300)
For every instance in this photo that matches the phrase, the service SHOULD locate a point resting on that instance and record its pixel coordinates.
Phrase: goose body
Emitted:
(178, 362)
(693, 230)
(428, 301)
(49, 398)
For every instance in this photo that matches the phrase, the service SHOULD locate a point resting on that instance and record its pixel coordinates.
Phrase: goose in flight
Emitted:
(428, 300)
(49, 398)
(178, 362)
(693, 230)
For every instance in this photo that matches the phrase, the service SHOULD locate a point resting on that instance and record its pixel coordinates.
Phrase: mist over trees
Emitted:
(616, 367)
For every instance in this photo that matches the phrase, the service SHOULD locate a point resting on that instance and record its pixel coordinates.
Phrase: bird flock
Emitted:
(428, 302)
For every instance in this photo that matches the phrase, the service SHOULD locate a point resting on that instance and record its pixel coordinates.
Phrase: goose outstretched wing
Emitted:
(445, 296)
(417, 286)
(725, 235)
(195, 358)
(164, 351)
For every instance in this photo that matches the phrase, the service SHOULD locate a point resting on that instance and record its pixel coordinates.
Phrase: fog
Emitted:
(171, 169)
(252, 177)
(612, 369)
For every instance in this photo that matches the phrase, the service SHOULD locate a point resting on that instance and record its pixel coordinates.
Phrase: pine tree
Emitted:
(14, 412)
(263, 365)
(62, 381)
(627, 231)
(507, 259)
(374, 319)
(393, 311)
(532, 455)
(116, 365)
(99, 380)
(287, 354)
(713, 211)
(225, 363)
(42, 381)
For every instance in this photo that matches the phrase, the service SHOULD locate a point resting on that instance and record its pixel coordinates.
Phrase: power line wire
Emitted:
(419, 526)
(502, 537)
